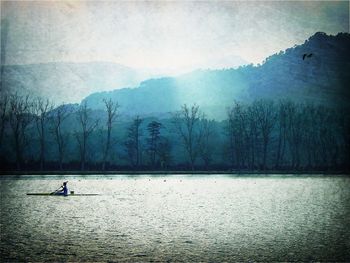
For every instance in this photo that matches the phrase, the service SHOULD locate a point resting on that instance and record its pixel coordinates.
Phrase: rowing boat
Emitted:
(51, 194)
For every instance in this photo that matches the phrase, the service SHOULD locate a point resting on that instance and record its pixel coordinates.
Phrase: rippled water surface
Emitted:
(176, 218)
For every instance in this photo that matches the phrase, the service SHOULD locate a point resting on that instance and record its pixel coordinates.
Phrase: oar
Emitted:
(55, 191)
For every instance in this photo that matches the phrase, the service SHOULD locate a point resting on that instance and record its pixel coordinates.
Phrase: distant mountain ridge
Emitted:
(322, 78)
(69, 82)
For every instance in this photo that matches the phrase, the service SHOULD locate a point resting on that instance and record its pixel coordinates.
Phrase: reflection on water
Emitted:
(177, 218)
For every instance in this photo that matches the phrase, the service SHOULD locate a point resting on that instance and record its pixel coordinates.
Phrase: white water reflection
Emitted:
(177, 218)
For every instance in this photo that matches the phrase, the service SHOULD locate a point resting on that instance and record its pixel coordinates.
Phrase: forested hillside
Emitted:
(321, 78)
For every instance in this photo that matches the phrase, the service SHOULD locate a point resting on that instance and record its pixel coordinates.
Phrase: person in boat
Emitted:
(63, 190)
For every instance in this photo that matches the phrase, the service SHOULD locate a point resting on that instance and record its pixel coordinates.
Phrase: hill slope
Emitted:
(321, 78)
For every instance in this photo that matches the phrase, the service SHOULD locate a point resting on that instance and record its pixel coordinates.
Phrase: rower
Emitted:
(63, 190)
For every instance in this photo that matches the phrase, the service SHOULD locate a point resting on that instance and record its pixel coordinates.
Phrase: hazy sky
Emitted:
(163, 34)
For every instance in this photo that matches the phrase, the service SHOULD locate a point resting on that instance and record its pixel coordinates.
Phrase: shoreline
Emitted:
(167, 173)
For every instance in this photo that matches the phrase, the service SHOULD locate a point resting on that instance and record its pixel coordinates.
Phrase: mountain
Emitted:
(211, 89)
(321, 78)
(69, 82)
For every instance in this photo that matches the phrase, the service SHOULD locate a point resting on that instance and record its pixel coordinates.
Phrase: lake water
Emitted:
(176, 218)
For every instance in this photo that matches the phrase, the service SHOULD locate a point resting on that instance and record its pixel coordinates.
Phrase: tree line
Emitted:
(260, 135)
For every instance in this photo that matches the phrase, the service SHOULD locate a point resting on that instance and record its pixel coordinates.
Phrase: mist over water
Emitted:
(176, 218)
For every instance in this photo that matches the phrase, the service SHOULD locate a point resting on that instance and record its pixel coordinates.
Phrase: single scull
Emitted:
(51, 194)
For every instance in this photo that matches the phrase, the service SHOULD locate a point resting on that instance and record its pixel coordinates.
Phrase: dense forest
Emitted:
(261, 135)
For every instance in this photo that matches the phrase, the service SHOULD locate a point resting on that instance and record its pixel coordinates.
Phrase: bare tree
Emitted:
(326, 137)
(3, 40)
(206, 146)
(164, 152)
(294, 132)
(266, 118)
(310, 133)
(4, 103)
(58, 116)
(253, 136)
(344, 130)
(282, 133)
(133, 144)
(19, 118)
(243, 139)
(231, 133)
(186, 122)
(88, 125)
(4, 100)
(332, 140)
(41, 109)
(112, 110)
(238, 124)
(153, 140)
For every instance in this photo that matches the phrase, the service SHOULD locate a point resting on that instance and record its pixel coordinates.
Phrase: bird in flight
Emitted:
(307, 56)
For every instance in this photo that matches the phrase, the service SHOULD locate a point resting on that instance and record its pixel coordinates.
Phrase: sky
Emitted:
(162, 34)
